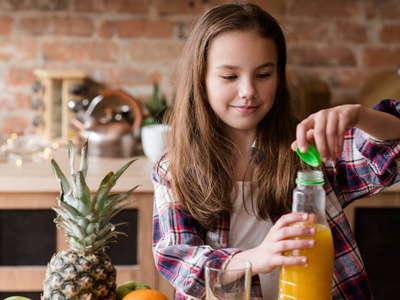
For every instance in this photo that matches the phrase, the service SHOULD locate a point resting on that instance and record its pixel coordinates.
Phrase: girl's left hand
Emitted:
(326, 129)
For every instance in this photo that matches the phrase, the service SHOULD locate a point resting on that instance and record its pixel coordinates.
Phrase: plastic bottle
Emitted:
(312, 281)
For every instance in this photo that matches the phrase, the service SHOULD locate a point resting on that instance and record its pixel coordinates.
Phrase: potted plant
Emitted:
(153, 129)
(156, 107)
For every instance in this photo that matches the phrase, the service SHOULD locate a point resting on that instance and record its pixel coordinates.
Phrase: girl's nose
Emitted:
(247, 90)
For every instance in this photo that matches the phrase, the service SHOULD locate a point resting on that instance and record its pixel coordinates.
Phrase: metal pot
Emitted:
(109, 136)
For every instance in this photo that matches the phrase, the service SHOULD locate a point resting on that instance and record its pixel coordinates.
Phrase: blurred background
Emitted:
(334, 46)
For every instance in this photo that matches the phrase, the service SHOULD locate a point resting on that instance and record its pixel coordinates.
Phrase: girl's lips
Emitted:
(245, 109)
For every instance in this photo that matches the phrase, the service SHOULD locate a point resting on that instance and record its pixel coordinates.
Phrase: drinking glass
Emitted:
(228, 279)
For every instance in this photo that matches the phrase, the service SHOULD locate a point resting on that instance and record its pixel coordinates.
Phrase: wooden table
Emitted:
(32, 186)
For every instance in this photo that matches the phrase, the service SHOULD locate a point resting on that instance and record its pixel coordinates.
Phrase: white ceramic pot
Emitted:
(153, 140)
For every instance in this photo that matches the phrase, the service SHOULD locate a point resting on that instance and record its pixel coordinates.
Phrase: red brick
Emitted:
(390, 34)
(15, 124)
(179, 7)
(20, 50)
(348, 79)
(351, 32)
(5, 25)
(15, 101)
(154, 52)
(158, 28)
(275, 8)
(35, 26)
(319, 9)
(300, 31)
(104, 75)
(43, 5)
(156, 76)
(74, 26)
(321, 56)
(120, 6)
(121, 28)
(383, 9)
(20, 76)
(123, 76)
(381, 57)
(80, 52)
(341, 97)
(131, 76)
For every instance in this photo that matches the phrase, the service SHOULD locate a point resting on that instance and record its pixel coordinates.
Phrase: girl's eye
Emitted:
(263, 75)
(229, 77)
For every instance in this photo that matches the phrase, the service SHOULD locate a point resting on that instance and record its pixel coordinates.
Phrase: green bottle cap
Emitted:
(311, 157)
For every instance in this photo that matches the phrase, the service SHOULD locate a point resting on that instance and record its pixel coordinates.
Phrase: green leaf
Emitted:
(89, 240)
(83, 222)
(62, 180)
(112, 212)
(156, 105)
(84, 159)
(70, 200)
(99, 193)
(92, 228)
(104, 190)
(71, 156)
(82, 193)
(115, 199)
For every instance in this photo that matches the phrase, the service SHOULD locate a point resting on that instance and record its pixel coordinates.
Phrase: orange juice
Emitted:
(312, 281)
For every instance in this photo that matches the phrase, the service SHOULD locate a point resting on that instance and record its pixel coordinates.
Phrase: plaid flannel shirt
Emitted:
(366, 167)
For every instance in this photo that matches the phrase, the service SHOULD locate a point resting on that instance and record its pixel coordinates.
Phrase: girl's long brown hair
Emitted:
(201, 154)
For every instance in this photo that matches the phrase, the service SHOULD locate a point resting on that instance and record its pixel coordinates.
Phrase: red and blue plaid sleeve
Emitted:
(366, 167)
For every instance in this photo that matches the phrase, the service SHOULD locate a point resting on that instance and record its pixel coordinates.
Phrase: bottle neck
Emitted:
(309, 195)
(310, 177)
(310, 186)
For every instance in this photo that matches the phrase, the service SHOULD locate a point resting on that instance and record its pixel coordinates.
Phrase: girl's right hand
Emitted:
(270, 253)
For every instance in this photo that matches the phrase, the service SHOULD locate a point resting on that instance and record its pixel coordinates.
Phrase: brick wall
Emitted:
(130, 43)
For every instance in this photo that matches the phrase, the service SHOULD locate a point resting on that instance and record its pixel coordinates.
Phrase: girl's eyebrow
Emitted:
(232, 67)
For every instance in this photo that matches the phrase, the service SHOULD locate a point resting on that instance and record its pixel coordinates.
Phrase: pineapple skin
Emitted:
(77, 275)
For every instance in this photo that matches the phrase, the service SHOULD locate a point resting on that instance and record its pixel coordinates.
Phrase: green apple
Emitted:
(17, 298)
(129, 286)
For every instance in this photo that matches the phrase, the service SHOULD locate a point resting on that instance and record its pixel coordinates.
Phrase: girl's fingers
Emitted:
(283, 231)
(294, 244)
(331, 135)
(289, 251)
(320, 135)
(291, 218)
(291, 260)
(342, 127)
(301, 133)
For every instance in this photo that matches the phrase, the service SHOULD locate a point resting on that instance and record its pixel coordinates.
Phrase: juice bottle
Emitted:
(312, 281)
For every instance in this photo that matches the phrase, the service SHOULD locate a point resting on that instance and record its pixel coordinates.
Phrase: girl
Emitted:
(224, 187)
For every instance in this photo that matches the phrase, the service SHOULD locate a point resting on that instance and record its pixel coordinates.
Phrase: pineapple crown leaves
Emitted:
(86, 221)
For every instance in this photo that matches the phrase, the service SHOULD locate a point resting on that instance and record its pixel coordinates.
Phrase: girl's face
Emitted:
(241, 79)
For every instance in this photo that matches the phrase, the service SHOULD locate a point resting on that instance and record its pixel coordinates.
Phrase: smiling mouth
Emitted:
(245, 109)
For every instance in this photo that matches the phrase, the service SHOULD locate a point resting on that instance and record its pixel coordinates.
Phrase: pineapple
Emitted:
(84, 271)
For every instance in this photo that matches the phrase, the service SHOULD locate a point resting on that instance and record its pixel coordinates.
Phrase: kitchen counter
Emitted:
(39, 177)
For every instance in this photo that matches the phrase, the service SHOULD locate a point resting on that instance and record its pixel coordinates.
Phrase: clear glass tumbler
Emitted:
(228, 279)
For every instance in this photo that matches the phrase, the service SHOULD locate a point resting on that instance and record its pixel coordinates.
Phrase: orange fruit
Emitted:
(145, 295)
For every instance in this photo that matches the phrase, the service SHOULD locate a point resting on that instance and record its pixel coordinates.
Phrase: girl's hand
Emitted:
(269, 254)
(326, 129)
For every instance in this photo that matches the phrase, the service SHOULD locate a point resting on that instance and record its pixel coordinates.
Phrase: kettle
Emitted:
(109, 136)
